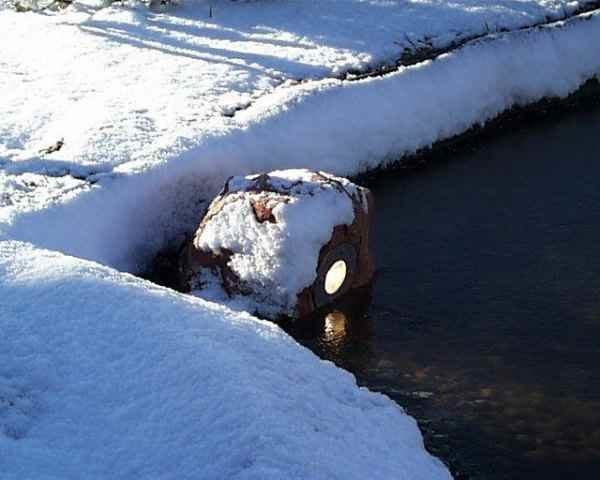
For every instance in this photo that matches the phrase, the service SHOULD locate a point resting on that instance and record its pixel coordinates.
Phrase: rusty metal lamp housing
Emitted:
(344, 262)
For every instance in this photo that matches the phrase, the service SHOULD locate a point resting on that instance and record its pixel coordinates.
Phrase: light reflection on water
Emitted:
(472, 413)
(484, 321)
(335, 327)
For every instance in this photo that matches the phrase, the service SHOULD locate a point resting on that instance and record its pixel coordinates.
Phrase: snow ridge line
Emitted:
(425, 52)
(583, 13)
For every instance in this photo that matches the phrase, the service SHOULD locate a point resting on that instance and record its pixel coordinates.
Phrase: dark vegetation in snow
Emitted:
(421, 50)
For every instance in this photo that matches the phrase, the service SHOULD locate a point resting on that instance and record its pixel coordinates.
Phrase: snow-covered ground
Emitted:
(104, 375)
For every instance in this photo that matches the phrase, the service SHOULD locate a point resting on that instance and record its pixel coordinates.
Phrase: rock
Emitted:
(288, 242)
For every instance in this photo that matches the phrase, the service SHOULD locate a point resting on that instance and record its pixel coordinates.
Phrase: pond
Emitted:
(484, 320)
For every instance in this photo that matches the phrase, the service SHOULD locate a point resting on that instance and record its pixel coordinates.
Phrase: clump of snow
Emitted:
(275, 260)
(132, 381)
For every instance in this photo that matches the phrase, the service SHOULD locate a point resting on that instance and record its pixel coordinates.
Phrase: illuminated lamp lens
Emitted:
(335, 277)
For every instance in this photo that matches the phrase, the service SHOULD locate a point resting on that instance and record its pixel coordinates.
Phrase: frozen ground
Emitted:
(103, 375)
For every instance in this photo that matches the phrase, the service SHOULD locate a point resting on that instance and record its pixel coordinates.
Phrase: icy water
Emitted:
(484, 321)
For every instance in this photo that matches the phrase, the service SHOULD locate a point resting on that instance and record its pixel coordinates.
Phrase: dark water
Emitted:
(484, 321)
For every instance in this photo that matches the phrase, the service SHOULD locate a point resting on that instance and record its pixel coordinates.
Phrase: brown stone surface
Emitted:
(262, 211)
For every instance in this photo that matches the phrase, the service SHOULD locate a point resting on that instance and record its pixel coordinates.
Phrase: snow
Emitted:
(275, 260)
(103, 375)
(118, 378)
(122, 215)
(126, 85)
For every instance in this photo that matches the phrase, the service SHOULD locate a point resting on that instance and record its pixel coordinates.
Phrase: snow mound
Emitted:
(272, 228)
(129, 380)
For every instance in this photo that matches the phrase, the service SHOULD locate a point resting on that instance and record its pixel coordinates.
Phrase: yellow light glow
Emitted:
(335, 326)
(335, 277)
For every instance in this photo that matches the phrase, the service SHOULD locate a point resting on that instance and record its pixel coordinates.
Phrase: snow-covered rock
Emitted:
(272, 238)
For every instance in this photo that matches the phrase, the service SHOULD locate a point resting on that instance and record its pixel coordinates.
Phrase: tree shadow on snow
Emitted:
(163, 41)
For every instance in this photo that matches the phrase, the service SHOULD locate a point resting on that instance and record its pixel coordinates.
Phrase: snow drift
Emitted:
(103, 375)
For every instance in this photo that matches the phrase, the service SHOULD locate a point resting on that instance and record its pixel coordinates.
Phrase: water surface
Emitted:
(484, 321)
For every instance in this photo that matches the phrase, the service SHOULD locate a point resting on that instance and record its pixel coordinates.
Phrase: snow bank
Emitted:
(125, 84)
(103, 375)
(342, 127)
